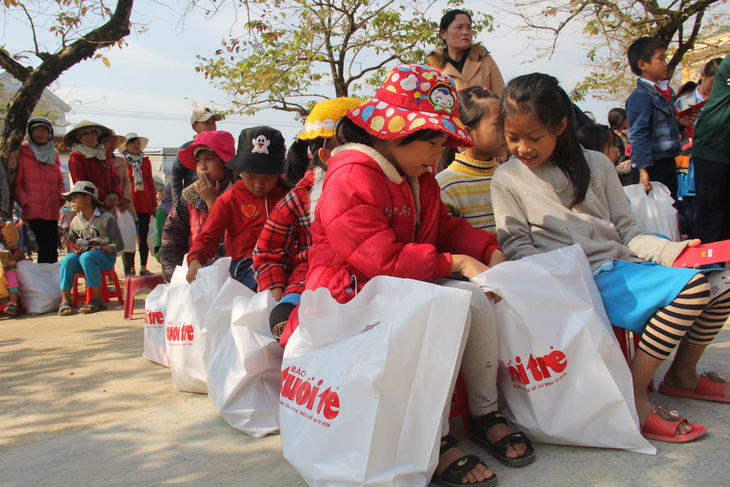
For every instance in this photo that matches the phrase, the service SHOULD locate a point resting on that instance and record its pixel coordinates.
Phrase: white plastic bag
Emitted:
(152, 234)
(244, 367)
(155, 308)
(128, 230)
(562, 374)
(364, 384)
(185, 330)
(654, 211)
(39, 286)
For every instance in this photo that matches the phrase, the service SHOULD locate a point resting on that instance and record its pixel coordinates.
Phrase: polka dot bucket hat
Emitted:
(413, 98)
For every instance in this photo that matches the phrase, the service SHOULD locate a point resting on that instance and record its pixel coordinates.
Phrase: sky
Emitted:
(151, 86)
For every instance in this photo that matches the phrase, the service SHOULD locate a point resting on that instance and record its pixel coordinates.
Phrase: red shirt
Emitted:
(240, 215)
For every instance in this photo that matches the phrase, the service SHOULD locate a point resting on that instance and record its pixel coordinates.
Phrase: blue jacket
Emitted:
(653, 126)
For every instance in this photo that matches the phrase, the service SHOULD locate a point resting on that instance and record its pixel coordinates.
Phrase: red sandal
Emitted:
(711, 387)
(662, 424)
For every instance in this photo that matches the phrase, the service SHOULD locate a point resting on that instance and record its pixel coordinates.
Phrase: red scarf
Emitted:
(665, 93)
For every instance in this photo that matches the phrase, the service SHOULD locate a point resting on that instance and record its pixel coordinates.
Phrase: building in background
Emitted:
(715, 44)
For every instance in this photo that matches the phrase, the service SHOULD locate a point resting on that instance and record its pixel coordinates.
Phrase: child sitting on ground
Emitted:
(207, 156)
(465, 184)
(241, 212)
(280, 257)
(10, 253)
(380, 213)
(552, 194)
(653, 125)
(93, 242)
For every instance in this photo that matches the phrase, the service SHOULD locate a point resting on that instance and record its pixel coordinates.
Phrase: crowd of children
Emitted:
(357, 197)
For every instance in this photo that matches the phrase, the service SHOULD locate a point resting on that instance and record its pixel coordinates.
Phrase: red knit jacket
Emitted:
(280, 256)
(240, 215)
(371, 221)
(101, 173)
(144, 201)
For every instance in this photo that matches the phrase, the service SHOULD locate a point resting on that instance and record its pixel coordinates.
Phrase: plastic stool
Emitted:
(105, 293)
(137, 283)
(625, 338)
(19, 307)
(460, 404)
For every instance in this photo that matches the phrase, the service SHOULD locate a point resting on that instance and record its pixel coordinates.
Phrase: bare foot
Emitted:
(479, 473)
(646, 408)
(690, 380)
(499, 431)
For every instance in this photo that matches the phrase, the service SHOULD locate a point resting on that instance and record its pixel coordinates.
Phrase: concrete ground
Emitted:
(80, 406)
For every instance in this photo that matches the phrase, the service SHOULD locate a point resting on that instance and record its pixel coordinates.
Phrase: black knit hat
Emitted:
(261, 150)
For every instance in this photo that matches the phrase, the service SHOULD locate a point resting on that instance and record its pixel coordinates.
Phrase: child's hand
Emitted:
(17, 253)
(193, 269)
(497, 257)
(277, 293)
(689, 119)
(645, 180)
(208, 190)
(695, 242)
(466, 266)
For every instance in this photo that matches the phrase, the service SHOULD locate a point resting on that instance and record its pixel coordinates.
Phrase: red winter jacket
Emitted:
(280, 256)
(144, 201)
(371, 221)
(241, 215)
(101, 173)
(38, 187)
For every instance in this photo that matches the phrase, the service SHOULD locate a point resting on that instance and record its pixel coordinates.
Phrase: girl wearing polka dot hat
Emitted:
(380, 213)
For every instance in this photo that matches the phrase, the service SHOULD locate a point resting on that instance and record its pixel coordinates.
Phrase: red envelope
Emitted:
(693, 108)
(710, 253)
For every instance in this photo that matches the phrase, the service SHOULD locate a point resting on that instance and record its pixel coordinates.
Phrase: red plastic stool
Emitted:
(460, 404)
(19, 306)
(137, 283)
(625, 338)
(105, 293)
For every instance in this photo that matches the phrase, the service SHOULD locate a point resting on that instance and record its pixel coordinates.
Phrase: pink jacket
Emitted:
(38, 187)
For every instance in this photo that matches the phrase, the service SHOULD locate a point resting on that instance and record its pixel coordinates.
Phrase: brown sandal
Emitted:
(92, 307)
(65, 309)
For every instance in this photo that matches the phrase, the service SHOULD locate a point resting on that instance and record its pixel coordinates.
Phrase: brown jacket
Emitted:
(479, 69)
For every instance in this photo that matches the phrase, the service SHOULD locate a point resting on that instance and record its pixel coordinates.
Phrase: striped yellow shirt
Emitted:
(466, 190)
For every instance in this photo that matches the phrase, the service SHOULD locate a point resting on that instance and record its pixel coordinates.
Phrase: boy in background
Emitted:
(653, 124)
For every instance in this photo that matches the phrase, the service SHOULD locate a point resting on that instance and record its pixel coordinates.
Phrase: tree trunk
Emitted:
(34, 81)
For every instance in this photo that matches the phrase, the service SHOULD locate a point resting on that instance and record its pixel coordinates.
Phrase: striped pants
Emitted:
(692, 315)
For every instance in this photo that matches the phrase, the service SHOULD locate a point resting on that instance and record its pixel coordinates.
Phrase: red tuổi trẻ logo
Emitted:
(537, 372)
(304, 395)
(179, 333)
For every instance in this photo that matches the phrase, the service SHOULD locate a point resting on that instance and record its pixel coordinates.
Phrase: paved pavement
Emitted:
(80, 406)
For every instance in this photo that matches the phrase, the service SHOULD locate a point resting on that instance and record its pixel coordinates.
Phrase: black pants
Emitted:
(46, 236)
(712, 180)
(663, 171)
(143, 228)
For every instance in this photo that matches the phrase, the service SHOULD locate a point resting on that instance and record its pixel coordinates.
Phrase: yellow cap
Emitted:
(325, 114)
